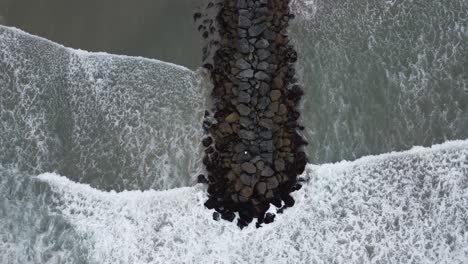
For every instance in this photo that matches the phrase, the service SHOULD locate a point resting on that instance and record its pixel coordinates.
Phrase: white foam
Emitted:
(407, 207)
(114, 121)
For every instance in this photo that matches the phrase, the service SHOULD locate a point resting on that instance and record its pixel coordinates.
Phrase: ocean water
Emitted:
(381, 75)
(99, 152)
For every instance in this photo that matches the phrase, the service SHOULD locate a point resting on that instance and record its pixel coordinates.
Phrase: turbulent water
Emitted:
(380, 76)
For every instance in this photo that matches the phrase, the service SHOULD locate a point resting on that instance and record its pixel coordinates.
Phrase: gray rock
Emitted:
(263, 89)
(243, 97)
(246, 179)
(262, 66)
(266, 123)
(233, 117)
(238, 148)
(245, 122)
(270, 35)
(262, 76)
(261, 187)
(275, 95)
(225, 128)
(244, 46)
(266, 134)
(268, 157)
(259, 20)
(242, 4)
(260, 165)
(279, 165)
(262, 44)
(248, 167)
(243, 64)
(254, 149)
(257, 30)
(262, 10)
(272, 183)
(263, 103)
(246, 192)
(231, 176)
(263, 54)
(244, 22)
(267, 146)
(282, 110)
(255, 159)
(249, 73)
(267, 172)
(246, 134)
(243, 157)
(274, 107)
(245, 12)
(242, 34)
(244, 86)
(243, 109)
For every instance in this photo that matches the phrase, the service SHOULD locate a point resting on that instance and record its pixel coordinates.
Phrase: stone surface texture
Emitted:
(258, 151)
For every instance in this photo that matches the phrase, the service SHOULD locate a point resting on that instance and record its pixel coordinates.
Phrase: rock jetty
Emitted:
(253, 149)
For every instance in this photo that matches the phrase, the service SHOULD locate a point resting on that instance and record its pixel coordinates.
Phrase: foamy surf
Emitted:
(389, 208)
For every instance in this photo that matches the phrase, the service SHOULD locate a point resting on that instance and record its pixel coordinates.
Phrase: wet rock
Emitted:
(243, 97)
(262, 76)
(245, 74)
(282, 110)
(207, 141)
(269, 35)
(246, 192)
(263, 103)
(248, 167)
(216, 216)
(267, 172)
(266, 134)
(262, 44)
(239, 147)
(243, 109)
(247, 179)
(275, 95)
(247, 134)
(260, 165)
(233, 117)
(231, 176)
(266, 123)
(228, 216)
(263, 54)
(268, 157)
(263, 89)
(201, 179)
(261, 188)
(272, 183)
(279, 165)
(244, 46)
(269, 218)
(242, 64)
(262, 66)
(244, 22)
(244, 86)
(245, 122)
(278, 83)
(257, 30)
(225, 128)
(267, 146)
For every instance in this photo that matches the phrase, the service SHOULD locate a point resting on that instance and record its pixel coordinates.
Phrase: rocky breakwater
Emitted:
(254, 153)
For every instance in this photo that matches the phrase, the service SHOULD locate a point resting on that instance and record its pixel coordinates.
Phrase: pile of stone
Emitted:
(254, 153)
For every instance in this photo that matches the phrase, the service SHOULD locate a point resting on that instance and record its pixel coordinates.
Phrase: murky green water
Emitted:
(160, 29)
